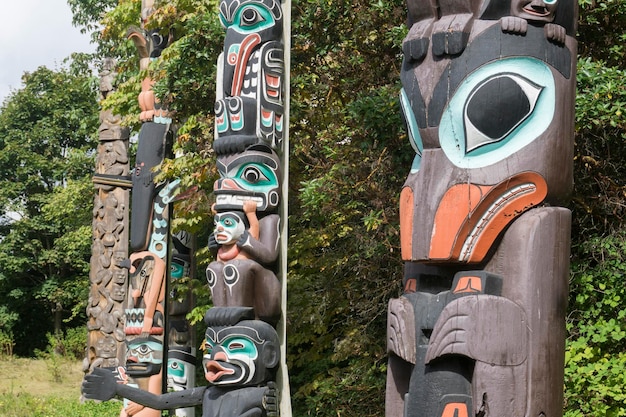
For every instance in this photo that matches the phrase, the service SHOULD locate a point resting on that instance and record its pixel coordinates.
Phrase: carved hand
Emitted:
(249, 206)
(514, 24)
(271, 400)
(100, 385)
(213, 245)
(555, 33)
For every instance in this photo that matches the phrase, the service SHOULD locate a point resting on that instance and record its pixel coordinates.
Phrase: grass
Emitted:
(46, 388)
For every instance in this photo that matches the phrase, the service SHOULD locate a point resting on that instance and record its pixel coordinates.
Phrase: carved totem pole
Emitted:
(244, 361)
(488, 99)
(105, 307)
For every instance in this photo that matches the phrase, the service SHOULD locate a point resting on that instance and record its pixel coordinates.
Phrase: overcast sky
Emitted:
(35, 33)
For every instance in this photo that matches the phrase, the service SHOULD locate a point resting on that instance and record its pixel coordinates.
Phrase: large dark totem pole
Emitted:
(244, 361)
(488, 99)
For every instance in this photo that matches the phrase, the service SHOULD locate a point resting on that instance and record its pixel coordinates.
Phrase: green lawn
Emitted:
(46, 388)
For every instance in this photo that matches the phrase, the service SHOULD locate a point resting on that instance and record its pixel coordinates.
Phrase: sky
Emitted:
(35, 33)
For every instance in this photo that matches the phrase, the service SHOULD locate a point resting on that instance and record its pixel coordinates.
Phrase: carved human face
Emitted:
(229, 227)
(534, 10)
(240, 355)
(144, 356)
(106, 347)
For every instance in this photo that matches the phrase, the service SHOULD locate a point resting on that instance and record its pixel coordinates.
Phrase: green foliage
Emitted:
(69, 344)
(46, 199)
(350, 157)
(599, 196)
(596, 348)
(28, 405)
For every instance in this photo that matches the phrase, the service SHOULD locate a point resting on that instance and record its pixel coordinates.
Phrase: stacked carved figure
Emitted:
(488, 98)
(242, 345)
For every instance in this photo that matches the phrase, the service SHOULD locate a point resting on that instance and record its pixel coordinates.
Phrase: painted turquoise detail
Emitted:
(249, 18)
(413, 131)
(256, 177)
(453, 131)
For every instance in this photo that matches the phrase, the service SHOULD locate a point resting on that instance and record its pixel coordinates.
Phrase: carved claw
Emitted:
(483, 327)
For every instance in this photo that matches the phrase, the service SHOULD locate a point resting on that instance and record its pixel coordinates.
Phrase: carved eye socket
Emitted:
(235, 346)
(250, 17)
(485, 122)
(253, 174)
(229, 222)
(175, 365)
(144, 350)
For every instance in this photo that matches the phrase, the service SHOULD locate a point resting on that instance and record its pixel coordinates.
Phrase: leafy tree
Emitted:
(46, 161)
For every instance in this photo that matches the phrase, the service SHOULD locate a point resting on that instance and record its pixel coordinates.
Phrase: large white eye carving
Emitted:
(483, 116)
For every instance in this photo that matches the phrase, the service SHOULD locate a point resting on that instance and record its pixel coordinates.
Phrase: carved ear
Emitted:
(270, 355)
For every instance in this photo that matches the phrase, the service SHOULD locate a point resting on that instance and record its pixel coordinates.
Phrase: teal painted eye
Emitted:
(240, 346)
(177, 271)
(257, 175)
(550, 1)
(498, 109)
(176, 368)
(252, 18)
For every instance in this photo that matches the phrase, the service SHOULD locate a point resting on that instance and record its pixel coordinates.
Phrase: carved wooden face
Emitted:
(492, 132)
(229, 227)
(248, 23)
(144, 356)
(250, 175)
(541, 11)
(180, 367)
(240, 355)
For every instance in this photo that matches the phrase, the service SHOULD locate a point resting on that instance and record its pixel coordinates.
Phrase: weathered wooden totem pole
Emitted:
(244, 347)
(488, 99)
(105, 308)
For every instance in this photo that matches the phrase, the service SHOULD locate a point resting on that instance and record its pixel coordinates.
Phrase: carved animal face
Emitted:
(248, 23)
(144, 357)
(251, 175)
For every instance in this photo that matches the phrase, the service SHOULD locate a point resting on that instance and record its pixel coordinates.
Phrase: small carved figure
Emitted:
(236, 278)
(536, 12)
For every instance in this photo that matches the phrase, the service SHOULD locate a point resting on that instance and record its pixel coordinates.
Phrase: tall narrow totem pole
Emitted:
(244, 349)
(488, 98)
(105, 308)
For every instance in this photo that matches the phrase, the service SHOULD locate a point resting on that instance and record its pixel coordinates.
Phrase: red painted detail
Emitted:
(406, 223)
(469, 285)
(470, 217)
(455, 410)
(245, 50)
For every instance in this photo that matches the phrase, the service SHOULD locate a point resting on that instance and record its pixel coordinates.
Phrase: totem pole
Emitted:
(244, 361)
(488, 98)
(250, 142)
(147, 325)
(105, 307)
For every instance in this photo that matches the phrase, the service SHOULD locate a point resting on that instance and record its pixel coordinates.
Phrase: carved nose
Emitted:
(226, 184)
